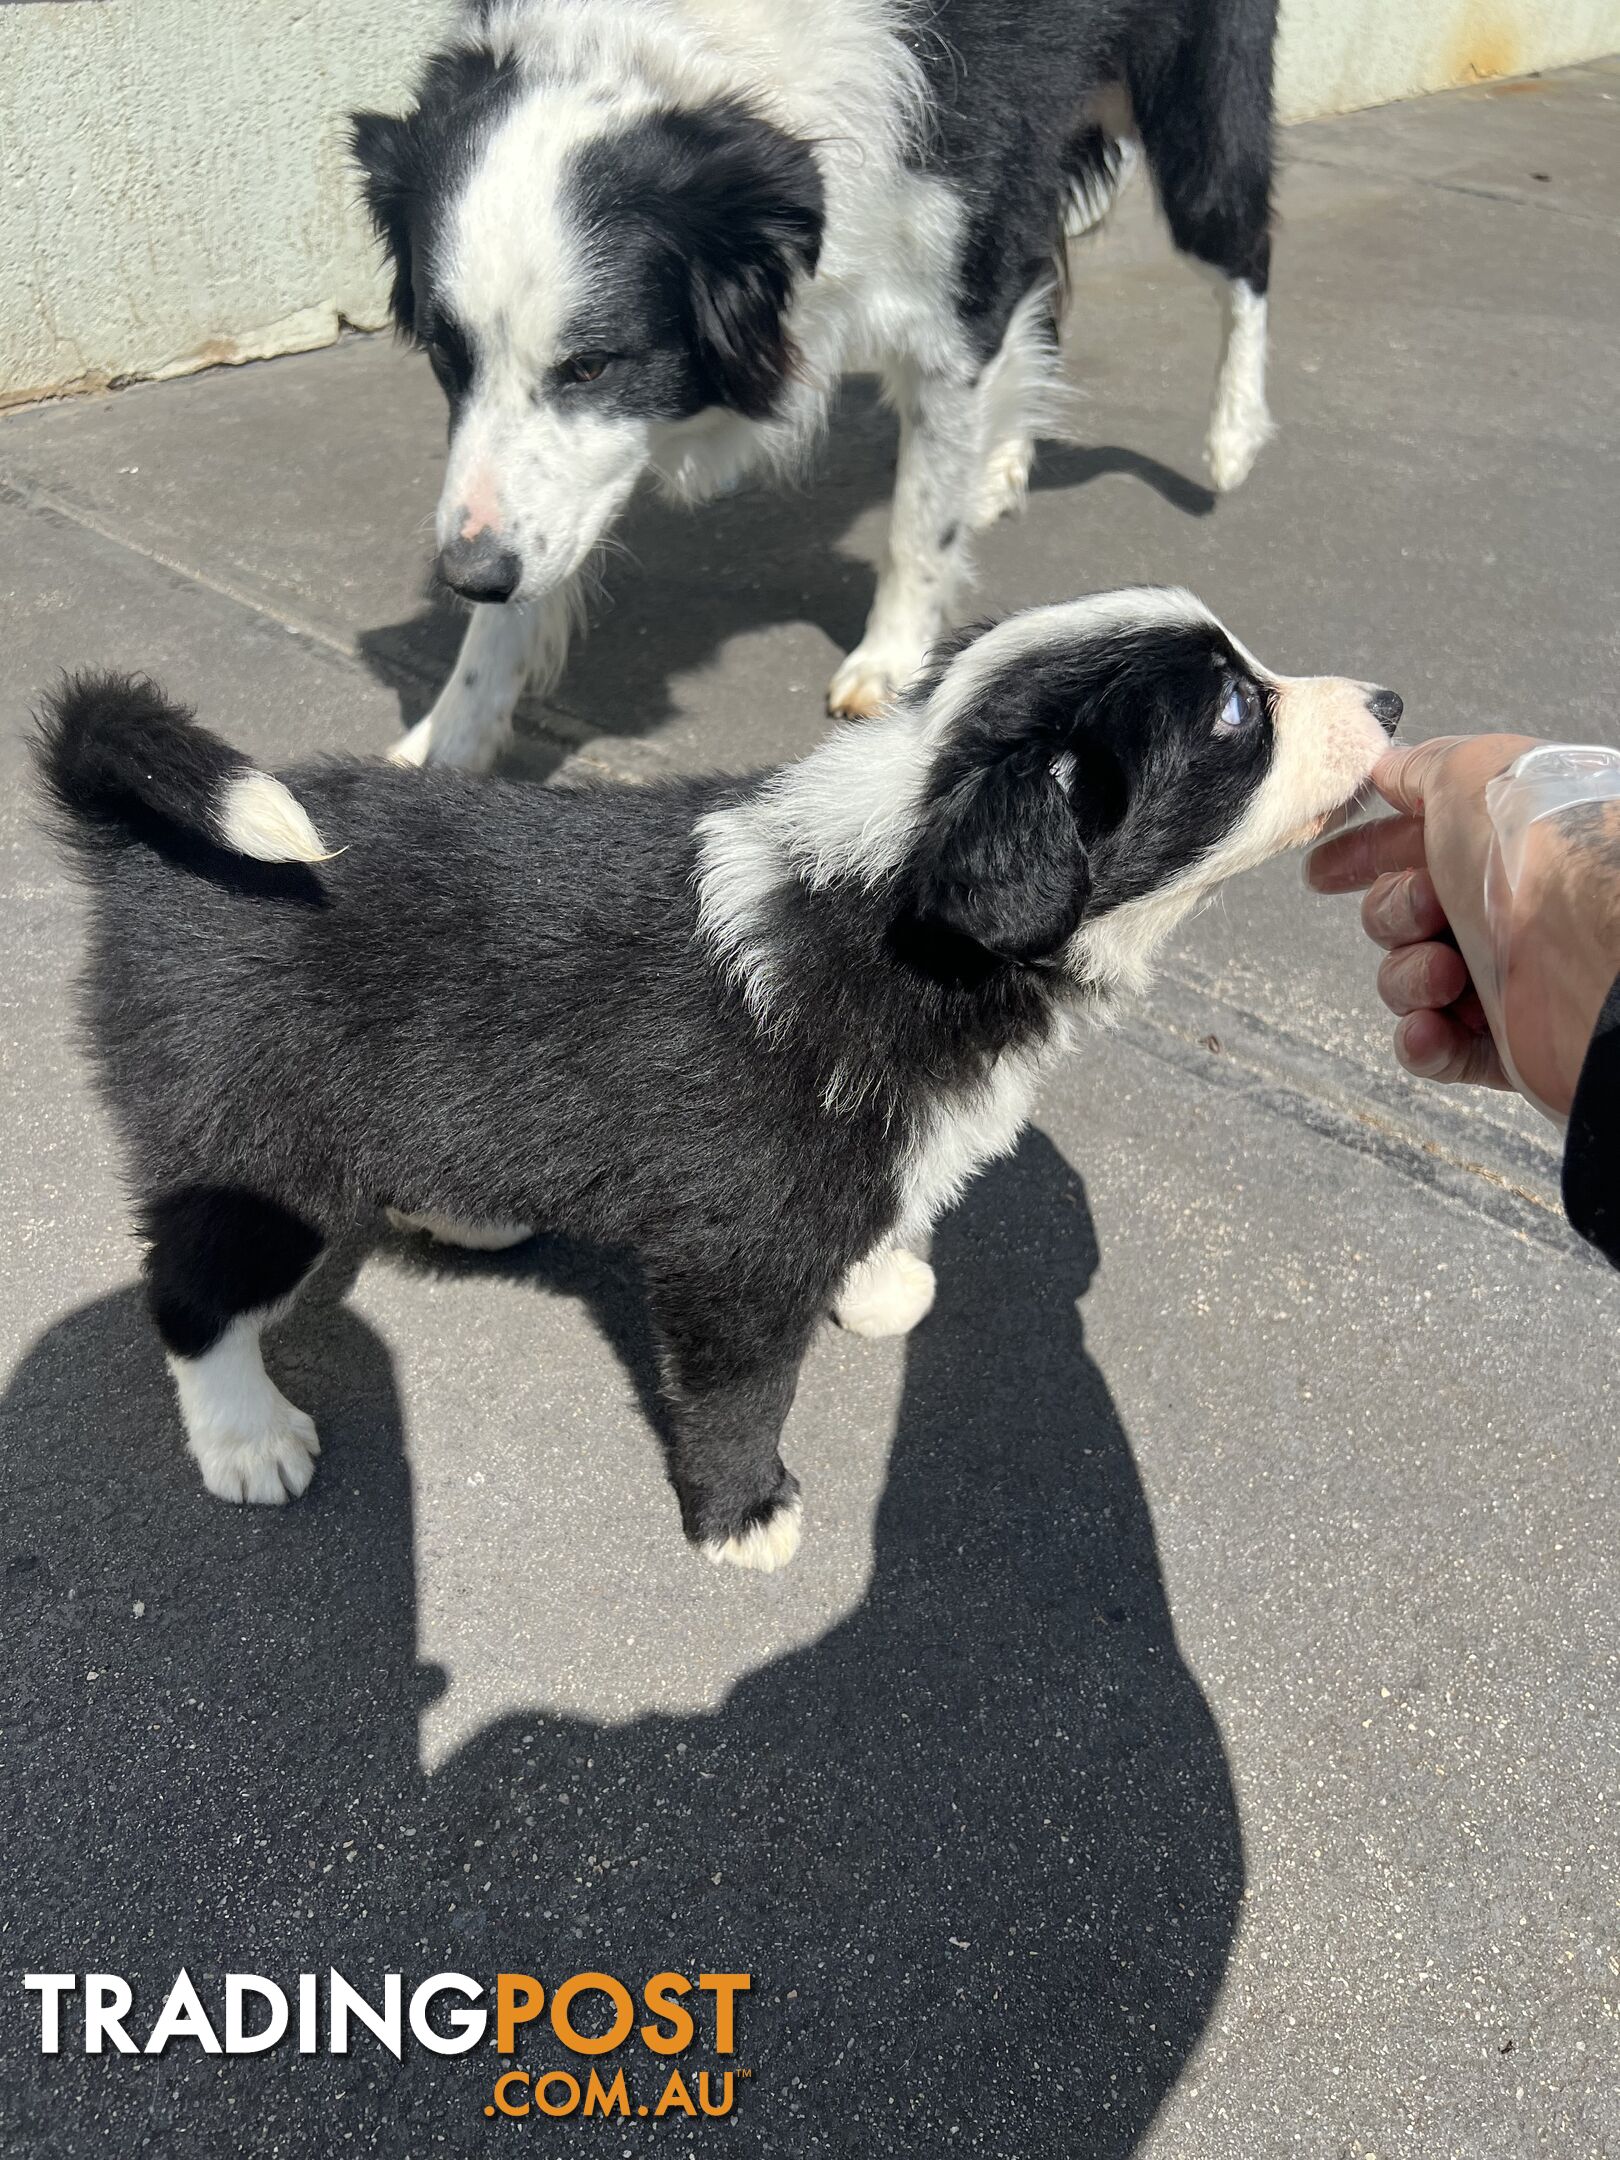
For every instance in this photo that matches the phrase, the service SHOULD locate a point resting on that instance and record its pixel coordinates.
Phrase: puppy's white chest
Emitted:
(960, 1133)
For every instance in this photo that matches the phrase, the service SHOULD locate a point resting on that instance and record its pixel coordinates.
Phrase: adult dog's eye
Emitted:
(1240, 708)
(583, 367)
(447, 354)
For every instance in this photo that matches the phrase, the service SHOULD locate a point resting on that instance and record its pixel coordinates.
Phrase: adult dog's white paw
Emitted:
(413, 747)
(1240, 425)
(474, 1237)
(1004, 484)
(1237, 435)
(466, 745)
(764, 1546)
(265, 1463)
(867, 681)
(886, 1295)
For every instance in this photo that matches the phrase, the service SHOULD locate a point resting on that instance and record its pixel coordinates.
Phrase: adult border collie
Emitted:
(650, 235)
(759, 1032)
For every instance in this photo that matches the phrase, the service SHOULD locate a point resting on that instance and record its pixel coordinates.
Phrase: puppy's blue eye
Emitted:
(1240, 709)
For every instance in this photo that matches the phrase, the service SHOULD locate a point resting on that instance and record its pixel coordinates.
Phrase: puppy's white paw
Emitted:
(1004, 484)
(265, 1463)
(474, 1237)
(886, 1295)
(867, 681)
(764, 1546)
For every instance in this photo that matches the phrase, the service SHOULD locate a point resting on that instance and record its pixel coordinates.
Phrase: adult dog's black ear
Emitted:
(1001, 859)
(462, 90)
(381, 145)
(747, 207)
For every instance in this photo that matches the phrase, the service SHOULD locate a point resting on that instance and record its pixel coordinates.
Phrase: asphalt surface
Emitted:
(1191, 1727)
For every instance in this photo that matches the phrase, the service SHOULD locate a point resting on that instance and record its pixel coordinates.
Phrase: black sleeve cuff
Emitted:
(1592, 1150)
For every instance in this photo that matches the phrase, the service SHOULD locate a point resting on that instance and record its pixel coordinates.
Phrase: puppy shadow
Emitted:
(681, 584)
(976, 1846)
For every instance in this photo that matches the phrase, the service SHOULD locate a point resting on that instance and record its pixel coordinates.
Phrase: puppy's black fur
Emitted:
(496, 1003)
(492, 1005)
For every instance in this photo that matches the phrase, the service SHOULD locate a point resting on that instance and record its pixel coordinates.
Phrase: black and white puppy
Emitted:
(649, 236)
(758, 1032)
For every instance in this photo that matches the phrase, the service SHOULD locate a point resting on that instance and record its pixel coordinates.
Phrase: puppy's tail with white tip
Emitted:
(122, 763)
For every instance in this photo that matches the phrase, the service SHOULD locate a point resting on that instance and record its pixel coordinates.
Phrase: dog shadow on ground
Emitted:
(766, 556)
(977, 1845)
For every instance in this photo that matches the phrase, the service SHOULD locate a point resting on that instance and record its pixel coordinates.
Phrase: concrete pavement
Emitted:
(1191, 1728)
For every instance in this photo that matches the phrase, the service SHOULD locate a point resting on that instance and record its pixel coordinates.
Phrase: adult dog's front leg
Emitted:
(935, 491)
(517, 644)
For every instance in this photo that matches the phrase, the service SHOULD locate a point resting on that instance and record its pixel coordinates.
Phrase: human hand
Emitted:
(1497, 983)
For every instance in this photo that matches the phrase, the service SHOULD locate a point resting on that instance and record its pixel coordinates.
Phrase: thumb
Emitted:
(1435, 1046)
(1402, 775)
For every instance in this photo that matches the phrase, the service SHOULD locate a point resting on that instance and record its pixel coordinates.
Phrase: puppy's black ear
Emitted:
(747, 210)
(1001, 859)
(382, 146)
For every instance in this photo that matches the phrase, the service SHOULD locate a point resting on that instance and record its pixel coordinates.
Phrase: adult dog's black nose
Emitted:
(1386, 708)
(481, 569)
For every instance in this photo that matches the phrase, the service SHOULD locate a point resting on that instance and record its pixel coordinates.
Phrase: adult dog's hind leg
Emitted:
(1240, 425)
(220, 1266)
(1206, 125)
(516, 645)
(942, 449)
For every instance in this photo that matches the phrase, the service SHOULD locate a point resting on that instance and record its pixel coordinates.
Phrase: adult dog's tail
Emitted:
(122, 764)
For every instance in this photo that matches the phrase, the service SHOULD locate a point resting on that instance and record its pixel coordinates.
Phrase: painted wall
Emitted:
(1338, 55)
(173, 190)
